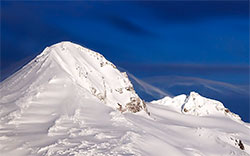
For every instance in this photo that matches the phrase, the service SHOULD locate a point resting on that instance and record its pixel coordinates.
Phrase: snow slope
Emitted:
(70, 100)
(195, 104)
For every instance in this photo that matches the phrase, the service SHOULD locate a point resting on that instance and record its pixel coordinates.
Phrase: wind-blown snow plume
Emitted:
(148, 88)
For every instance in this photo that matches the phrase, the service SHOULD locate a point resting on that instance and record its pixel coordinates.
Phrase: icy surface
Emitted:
(70, 100)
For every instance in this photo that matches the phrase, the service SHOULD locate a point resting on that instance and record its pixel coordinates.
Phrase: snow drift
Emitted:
(70, 100)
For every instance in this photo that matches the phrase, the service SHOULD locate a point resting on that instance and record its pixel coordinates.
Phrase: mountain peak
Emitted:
(67, 100)
(66, 61)
(197, 105)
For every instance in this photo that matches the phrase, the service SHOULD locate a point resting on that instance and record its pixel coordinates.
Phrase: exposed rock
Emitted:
(241, 145)
(129, 88)
(134, 105)
(119, 90)
(120, 108)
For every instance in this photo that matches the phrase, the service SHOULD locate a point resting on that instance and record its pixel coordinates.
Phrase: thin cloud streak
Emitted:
(151, 90)
(146, 87)
(129, 27)
(218, 86)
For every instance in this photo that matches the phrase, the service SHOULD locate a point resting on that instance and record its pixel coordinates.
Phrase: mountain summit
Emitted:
(67, 63)
(197, 105)
(70, 100)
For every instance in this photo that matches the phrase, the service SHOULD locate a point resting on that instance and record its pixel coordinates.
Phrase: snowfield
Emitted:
(70, 100)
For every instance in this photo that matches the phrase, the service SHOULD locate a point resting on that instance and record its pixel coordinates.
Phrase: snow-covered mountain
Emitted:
(195, 104)
(70, 100)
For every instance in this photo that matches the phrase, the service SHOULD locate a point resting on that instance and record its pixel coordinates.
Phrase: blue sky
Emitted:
(200, 44)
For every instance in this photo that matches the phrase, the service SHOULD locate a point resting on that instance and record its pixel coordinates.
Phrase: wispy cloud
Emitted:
(218, 86)
(189, 11)
(187, 68)
(129, 26)
(143, 87)
(148, 88)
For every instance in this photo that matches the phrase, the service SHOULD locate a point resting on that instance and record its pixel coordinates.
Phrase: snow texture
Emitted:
(70, 100)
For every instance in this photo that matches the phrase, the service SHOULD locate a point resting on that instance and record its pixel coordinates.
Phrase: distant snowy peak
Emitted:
(66, 61)
(197, 105)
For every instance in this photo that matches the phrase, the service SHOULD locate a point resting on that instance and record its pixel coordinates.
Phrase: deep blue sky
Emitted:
(175, 46)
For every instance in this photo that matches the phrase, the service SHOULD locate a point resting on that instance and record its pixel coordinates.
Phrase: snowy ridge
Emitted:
(70, 100)
(88, 69)
(97, 75)
(197, 105)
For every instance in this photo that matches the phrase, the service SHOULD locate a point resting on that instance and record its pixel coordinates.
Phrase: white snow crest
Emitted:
(70, 100)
